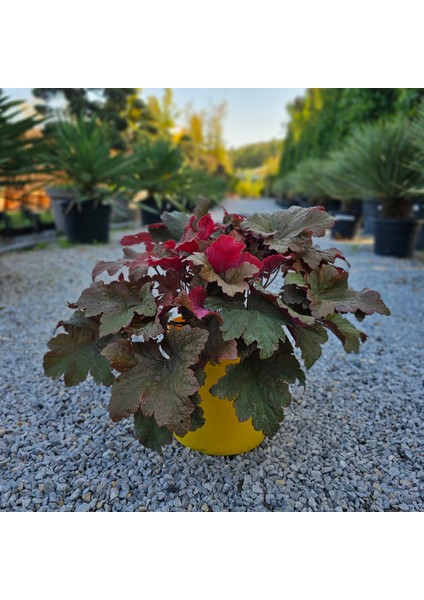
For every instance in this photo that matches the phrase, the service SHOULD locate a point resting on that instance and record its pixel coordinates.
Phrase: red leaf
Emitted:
(271, 263)
(189, 246)
(206, 227)
(197, 296)
(247, 257)
(143, 237)
(170, 244)
(225, 253)
(193, 301)
(166, 262)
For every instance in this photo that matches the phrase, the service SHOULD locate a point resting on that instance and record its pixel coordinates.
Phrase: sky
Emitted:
(253, 114)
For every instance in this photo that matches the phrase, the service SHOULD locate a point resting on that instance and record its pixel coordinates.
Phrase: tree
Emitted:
(107, 105)
(163, 112)
(322, 119)
(255, 155)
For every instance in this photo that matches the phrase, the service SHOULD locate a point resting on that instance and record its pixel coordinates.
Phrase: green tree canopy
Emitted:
(323, 117)
(250, 156)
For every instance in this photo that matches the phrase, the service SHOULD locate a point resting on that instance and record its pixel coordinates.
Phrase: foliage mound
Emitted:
(198, 292)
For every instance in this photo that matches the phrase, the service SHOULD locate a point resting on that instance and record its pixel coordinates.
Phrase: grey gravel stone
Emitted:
(352, 441)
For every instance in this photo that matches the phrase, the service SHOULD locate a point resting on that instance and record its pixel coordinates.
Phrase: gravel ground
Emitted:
(352, 441)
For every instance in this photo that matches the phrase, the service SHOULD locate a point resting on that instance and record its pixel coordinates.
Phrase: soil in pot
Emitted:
(87, 222)
(395, 237)
(222, 434)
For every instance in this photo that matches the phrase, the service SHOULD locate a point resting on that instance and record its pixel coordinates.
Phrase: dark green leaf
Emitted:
(346, 332)
(148, 432)
(309, 339)
(260, 322)
(259, 388)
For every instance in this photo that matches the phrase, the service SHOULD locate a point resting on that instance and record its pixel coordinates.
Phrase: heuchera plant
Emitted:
(199, 292)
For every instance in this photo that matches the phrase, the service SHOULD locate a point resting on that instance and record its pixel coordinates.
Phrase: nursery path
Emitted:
(352, 441)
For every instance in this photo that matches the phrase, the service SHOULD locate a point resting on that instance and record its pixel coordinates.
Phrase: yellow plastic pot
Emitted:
(222, 433)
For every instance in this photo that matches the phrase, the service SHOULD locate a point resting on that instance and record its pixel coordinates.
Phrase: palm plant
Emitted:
(285, 185)
(80, 155)
(310, 178)
(158, 170)
(376, 162)
(417, 139)
(198, 182)
(19, 150)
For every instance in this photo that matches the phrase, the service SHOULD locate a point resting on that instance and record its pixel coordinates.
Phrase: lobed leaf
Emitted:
(259, 388)
(314, 256)
(309, 340)
(329, 293)
(259, 322)
(216, 347)
(175, 223)
(148, 432)
(120, 354)
(161, 386)
(77, 353)
(117, 302)
(232, 281)
(346, 332)
(290, 229)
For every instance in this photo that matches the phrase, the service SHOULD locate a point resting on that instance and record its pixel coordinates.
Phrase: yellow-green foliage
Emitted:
(248, 188)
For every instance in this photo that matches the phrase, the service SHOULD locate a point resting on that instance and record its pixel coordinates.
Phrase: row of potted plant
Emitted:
(380, 165)
(91, 177)
(85, 175)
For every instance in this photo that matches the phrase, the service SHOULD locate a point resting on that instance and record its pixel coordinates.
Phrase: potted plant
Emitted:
(156, 177)
(60, 195)
(80, 159)
(193, 337)
(376, 162)
(197, 183)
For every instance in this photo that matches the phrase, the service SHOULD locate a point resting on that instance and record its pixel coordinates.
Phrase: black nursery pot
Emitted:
(419, 214)
(346, 226)
(370, 212)
(150, 218)
(395, 237)
(147, 217)
(87, 222)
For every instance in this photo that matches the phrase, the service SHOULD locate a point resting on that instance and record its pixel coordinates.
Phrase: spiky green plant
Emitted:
(80, 154)
(417, 138)
(198, 182)
(160, 170)
(158, 166)
(19, 153)
(310, 178)
(285, 185)
(376, 163)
